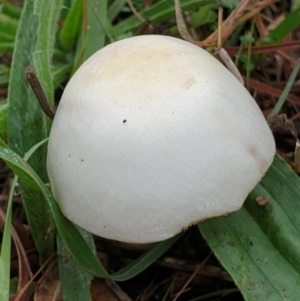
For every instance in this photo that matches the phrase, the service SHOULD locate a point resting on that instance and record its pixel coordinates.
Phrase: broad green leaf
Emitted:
(260, 245)
(27, 124)
(71, 236)
(47, 14)
(59, 72)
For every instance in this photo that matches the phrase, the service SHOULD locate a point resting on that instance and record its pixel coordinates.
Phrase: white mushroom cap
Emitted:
(153, 134)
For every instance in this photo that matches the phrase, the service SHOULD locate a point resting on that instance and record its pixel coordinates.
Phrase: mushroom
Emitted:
(152, 135)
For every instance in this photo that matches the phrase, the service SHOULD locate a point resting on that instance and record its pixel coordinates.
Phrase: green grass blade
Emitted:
(288, 25)
(10, 10)
(75, 281)
(162, 10)
(145, 260)
(27, 124)
(60, 73)
(285, 91)
(95, 29)
(8, 28)
(7, 46)
(47, 14)
(3, 118)
(260, 245)
(4, 79)
(6, 247)
(114, 9)
(70, 31)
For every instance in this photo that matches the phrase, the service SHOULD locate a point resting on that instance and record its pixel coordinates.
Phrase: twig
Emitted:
(39, 92)
(135, 12)
(220, 21)
(193, 276)
(189, 267)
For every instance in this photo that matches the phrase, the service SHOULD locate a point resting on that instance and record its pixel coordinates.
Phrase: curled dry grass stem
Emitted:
(181, 24)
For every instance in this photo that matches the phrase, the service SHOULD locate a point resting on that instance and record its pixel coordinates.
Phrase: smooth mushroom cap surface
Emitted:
(153, 134)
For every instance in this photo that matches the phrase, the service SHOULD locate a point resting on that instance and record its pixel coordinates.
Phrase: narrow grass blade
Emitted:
(94, 31)
(75, 281)
(285, 91)
(6, 247)
(6, 240)
(162, 10)
(8, 28)
(11, 10)
(3, 118)
(145, 260)
(60, 73)
(115, 8)
(7, 46)
(71, 28)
